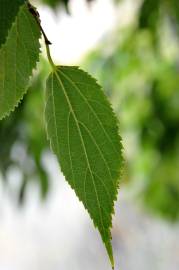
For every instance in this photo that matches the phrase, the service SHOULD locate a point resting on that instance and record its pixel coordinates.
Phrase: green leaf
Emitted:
(8, 12)
(18, 57)
(83, 133)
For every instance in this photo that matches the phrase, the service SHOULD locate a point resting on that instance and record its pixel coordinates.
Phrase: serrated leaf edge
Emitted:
(30, 76)
(121, 165)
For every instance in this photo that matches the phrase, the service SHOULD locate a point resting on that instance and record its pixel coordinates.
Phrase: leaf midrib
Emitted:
(92, 110)
(83, 144)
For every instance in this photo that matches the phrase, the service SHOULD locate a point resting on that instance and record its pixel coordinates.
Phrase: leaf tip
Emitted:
(110, 254)
(112, 261)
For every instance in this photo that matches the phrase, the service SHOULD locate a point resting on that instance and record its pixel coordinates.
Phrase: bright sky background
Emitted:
(74, 35)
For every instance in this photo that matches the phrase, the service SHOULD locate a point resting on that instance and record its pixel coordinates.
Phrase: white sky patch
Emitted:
(75, 34)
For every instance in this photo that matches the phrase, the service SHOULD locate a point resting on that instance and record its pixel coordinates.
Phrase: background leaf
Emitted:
(8, 12)
(18, 57)
(83, 134)
(151, 138)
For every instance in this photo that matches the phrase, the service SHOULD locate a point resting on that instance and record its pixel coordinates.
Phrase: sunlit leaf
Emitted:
(18, 57)
(83, 133)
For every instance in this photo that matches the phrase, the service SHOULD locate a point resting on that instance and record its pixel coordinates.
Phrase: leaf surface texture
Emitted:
(8, 13)
(83, 133)
(18, 57)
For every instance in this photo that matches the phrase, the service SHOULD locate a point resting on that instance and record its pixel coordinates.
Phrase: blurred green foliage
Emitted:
(23, 139)
(58, 3)
(139, 69)
(141, 77)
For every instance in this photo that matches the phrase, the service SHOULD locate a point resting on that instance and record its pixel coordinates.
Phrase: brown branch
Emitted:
(36, 15)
